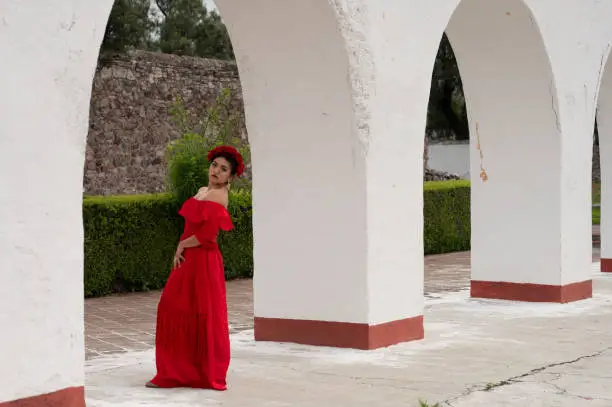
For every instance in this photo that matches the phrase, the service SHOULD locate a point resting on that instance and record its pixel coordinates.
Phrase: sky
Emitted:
(210, 4)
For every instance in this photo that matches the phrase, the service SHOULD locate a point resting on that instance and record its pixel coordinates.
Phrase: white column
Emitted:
(306, 93)
(49, 52)
(531, 141)
(516, 154)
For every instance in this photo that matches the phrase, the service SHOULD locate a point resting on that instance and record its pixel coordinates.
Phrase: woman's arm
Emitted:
(191, 241)
(204, 232)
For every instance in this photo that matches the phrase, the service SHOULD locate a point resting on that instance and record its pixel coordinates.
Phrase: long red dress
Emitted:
(192, 337)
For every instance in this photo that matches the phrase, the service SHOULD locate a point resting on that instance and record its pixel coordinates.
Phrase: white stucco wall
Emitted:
(336, 96)
(577, 39)
(48, 51)
(509, 88)
(534, 109)
(376, 148)
(309, 215)
(531, 221)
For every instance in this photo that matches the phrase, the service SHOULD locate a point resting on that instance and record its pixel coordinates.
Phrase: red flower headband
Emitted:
(231, 151)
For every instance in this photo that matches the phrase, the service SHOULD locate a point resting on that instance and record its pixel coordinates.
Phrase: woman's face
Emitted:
(220, 171)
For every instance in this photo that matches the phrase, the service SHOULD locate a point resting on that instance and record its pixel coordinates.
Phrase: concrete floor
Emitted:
(121, 323)
(476, 353)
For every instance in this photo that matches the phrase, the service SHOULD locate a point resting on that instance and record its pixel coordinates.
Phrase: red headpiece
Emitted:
(228, 150)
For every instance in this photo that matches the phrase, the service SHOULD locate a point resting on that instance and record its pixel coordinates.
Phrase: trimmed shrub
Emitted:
(130, 241)
(186, 157)
(446, 214)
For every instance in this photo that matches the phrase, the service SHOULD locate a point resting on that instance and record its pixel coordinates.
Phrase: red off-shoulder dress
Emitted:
(192, 347)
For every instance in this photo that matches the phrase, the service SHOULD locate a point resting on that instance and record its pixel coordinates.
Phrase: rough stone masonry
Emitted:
(130, 124)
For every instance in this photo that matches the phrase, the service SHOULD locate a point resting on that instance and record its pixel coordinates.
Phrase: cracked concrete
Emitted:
(476, 353)
(568, 385)
(581, 382)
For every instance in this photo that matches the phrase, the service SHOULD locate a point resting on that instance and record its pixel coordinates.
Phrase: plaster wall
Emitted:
(48, 51)
(403, 37)
(515, 142)
(535, 142)
(309, 216)
(578, 42)
(337, 173)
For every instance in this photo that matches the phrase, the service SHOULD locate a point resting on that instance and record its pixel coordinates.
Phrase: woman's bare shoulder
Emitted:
(219, 196)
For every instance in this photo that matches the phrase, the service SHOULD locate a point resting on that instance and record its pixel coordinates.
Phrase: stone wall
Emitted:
(130, 124)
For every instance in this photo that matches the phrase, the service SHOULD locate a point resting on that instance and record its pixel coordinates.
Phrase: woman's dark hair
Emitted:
(230, 158)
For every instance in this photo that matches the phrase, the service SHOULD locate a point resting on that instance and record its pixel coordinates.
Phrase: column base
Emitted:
(70, 397)
(605, 265)
(339, 334)
(532, 292)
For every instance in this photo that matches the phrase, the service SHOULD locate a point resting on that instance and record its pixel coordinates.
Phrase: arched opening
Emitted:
(515, 152)
(604, 144)
(447, 134)
(165, 78)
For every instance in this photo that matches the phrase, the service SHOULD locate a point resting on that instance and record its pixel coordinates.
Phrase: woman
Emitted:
(192, 346)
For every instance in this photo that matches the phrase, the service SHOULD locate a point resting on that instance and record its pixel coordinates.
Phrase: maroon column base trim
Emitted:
(532, 292)
(339, 334)
(70, 397)
(605, 265)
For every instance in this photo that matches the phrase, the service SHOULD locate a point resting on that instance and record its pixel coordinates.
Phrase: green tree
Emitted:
(128, 27)
(188, 28)
(212, 39)
(186, 157)
(446, 111)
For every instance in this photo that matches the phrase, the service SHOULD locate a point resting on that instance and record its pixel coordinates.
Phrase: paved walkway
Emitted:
(476, 353)
(120, 323)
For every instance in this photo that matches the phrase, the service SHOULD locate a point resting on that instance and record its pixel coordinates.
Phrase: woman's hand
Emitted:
(178, 256)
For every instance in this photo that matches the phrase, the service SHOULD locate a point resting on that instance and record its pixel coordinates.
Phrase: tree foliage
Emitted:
(128, 27)
(187, 164)
(186, 27)
(447, 114)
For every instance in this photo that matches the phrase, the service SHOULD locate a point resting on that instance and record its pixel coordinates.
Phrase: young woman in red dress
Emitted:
(192, 347)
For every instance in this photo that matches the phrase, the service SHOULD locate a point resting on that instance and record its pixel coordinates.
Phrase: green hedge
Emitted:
(130, 240)
(446, 213)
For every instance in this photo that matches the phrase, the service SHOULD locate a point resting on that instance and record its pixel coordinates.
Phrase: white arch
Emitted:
(308, 154)
(519, 125)
(515, 129)
(49, 51)
(307, 150)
